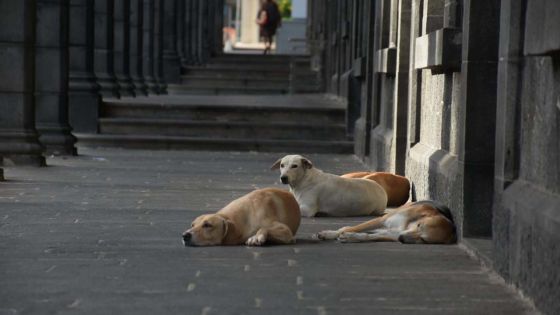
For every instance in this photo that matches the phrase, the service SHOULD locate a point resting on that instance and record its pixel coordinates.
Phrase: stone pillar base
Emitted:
(21, 148)
(58, 141)
(24, 160)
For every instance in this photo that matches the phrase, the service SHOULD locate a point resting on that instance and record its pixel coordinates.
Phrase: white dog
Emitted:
(328, 194)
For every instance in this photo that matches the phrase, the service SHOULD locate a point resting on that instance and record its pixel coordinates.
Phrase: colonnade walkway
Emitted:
(100, 234)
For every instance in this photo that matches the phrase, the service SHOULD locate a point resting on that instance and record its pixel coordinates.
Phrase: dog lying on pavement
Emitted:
(421, 222)
(318, 192)
(397, 187)
(265, 215)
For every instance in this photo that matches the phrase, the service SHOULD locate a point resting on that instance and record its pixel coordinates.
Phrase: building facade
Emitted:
(58, 58)
(462, 97)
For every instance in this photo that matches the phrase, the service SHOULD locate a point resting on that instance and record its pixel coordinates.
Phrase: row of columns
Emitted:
(59, 58)
(422, 95)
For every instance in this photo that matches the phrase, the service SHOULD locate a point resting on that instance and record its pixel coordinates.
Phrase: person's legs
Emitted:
(267, 44)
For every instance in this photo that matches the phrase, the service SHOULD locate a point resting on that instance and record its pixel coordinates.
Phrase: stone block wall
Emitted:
(462, 97)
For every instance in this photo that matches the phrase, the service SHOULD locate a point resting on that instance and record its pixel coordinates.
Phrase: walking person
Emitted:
(269, 19)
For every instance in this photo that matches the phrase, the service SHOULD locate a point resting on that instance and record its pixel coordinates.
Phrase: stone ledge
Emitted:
(386, 60)
(439, 50)
(359, 67)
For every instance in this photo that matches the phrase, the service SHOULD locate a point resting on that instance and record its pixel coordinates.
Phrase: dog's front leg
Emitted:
(365, 226)
(380, 236)
(308, 210)
(258, 239)
(328, 235)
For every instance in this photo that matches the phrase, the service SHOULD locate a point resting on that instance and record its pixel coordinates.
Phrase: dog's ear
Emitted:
(306, 163)
(276, 165)
(225, 227)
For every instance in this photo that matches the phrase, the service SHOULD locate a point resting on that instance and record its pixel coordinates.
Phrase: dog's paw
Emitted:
(328, 235)
(349, 237)
(256, 240)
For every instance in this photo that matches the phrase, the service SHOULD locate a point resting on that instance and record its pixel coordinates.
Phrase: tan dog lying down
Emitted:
(264, 215)
(318, 192)
(421, 222)
(397, 187)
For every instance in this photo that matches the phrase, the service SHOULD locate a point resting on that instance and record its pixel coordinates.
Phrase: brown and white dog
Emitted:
(264, 215)
(421, 222)
(397, 187)
(318, 192)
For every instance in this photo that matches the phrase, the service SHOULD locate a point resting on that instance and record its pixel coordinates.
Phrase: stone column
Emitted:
(204, 43)
(83, 97)
(148, 46)
(51, 77)
(479, 69)
(171, 61)
(137, 47)
(103, 52)
(121, 42)
(219, 28)
(18, 138)
(194, 27)
(400, 98)
(158, 47)
(187, 33)
(181, 30)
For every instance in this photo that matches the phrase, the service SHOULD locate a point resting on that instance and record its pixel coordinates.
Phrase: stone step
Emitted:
(235, 83)
(222, 129)
(180, 89)
(155, 142)
(252, 59)
(197, 110)
(247, 67)
(234, 73)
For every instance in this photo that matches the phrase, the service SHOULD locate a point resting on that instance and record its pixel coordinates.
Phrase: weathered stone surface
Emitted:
(158, 47)
(121, 47)
(385, 61)
(171, 60)
(51, 77)
(104, 63)
(83, 97)
(148, 43)
(18, 137)
(439, 50)
(100, 234)
(542, 17)
(137, 47)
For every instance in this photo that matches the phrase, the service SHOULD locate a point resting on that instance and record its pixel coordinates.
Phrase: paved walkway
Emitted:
(100, 234)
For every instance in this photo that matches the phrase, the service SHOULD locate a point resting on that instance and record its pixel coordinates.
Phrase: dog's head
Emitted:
(206, 230)
(292, 168)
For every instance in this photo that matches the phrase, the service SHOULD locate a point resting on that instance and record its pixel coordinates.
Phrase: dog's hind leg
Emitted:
(369, 225)
(275, 233)
(280, 233)
(381, 236)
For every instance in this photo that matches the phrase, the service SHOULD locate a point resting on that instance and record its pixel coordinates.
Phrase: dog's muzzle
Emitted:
(187, 239)
(284, 179)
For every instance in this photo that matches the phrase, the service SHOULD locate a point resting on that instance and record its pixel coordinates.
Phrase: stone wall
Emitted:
(59, 57)
(461, 96)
